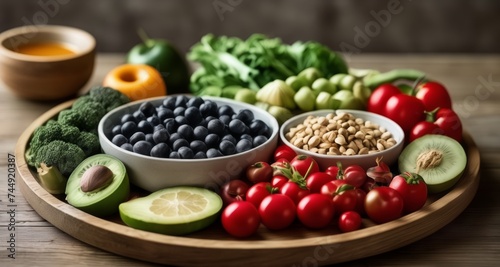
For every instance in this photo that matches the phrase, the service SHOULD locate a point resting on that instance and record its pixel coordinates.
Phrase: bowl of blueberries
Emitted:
(184, 140)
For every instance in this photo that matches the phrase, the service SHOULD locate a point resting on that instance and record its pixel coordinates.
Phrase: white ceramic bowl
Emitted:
(152, 173)
(390, 155)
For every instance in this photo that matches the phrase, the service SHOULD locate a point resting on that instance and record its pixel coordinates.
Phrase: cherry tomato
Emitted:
(331, 187)
(279, 165)
(345, 199)
(424, 127)
(284, 152)
(433, 95)
(277, 211)
(294, 191)
(315, 211)
(232, 191)
(240, 219)
(412, 188)
(316, 180)
(383, 204)
(304, 165)
(405, 110)
(278, 181)
(349, 221)
(354, 175)
(332, 171)
(360, 200)
(257, 192)
(440, 121)
(259, 172)
(379, 97)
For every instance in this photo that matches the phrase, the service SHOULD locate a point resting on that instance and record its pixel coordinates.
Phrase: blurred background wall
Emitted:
(394, 26)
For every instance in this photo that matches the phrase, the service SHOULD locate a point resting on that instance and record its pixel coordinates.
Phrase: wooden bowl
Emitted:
(47, 76)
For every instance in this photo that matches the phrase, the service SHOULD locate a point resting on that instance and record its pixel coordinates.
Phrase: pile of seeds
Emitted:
(340, 134)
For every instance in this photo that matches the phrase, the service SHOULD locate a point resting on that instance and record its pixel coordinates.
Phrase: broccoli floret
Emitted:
(108, 97)
(71, 118)
(89, 143)
(85, 117)
(62, 155)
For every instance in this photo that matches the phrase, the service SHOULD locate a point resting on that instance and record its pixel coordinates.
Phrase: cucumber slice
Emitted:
(172, 211)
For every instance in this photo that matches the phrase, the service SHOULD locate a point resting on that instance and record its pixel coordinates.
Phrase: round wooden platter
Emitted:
(213, 246)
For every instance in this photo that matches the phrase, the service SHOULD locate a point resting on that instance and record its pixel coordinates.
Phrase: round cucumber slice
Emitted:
(105, 201)
(172, 211)
(439, 159)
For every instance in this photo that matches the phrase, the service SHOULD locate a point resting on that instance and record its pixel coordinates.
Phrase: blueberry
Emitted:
(209, 118)
(247, 136)
(174, 137)
(198, 146)
(165, 113)
(136, 137)
(129, 128)
(193, 115)
(170, 125)
(169, 103)
(179, 111)
(186, 152)
(230, 138)
(212, 140)
(195, 102)
(148, 109)
(161, 136)
(145, 127)
(226, 119)
(159, 127)
(149, 138)
(258, 127)
(216, 126)
(259, 140)
(213, 153)
(160, 150)
(186, 131)
(138, 116)
(200, 155)
(209, 108)
(154, 120)
(243, 145)
(127, 117)
(127, 146)
(180, 143)
(174, 155)
(245, 115)
(227, 148)
(180, 120)
(200, 133)
(181, 100)
(143, 148)
(117, 129)
(225, 110)
(238, 127)
(119, 139)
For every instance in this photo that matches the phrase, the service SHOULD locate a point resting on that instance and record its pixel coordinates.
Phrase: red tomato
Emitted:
(304, 165)
(232, 191)
(405, 110)
(331, 187)
(383, 204)
(277, 211)
(332, 171)
(433, 95)
(315, 211)
(240, 219)
(258, 192)
(443, 121)
(360, 200)
(412, 188)
(424, 127)
(379, 97)
(284, 152)
(316, 180)
(259, 172)
(354, 175)
(294, 191)
(345, 199)
(349, 221)
(278, 181)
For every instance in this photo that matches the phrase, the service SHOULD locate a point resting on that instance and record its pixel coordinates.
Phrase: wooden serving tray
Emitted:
(212, 246)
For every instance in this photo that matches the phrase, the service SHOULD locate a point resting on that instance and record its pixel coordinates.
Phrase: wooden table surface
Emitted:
(472, 239)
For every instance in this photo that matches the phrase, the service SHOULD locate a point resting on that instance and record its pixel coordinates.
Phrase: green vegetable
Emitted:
(297, 82)
(348, 100)
(256, 61)
(166, 58)
(277, 93)
(310, 75)
(305, 98)
(391, 76)
(280, 113)
(323, 85)
(325, 100)
(51, 179)
(61, 155)
(246, 95)
(108, 97)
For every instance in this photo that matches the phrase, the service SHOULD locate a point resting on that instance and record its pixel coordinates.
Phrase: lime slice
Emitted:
(172, 211)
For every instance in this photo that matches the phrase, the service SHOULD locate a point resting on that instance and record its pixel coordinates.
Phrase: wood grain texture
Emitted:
(470, 238)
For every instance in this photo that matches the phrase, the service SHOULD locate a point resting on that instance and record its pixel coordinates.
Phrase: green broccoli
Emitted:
(89, 143)
(86, 116)
(60, 154)
(108, 97)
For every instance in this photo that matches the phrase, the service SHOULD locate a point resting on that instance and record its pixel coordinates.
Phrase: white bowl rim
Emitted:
(274, 126)
(54, 29)
(293, 122)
